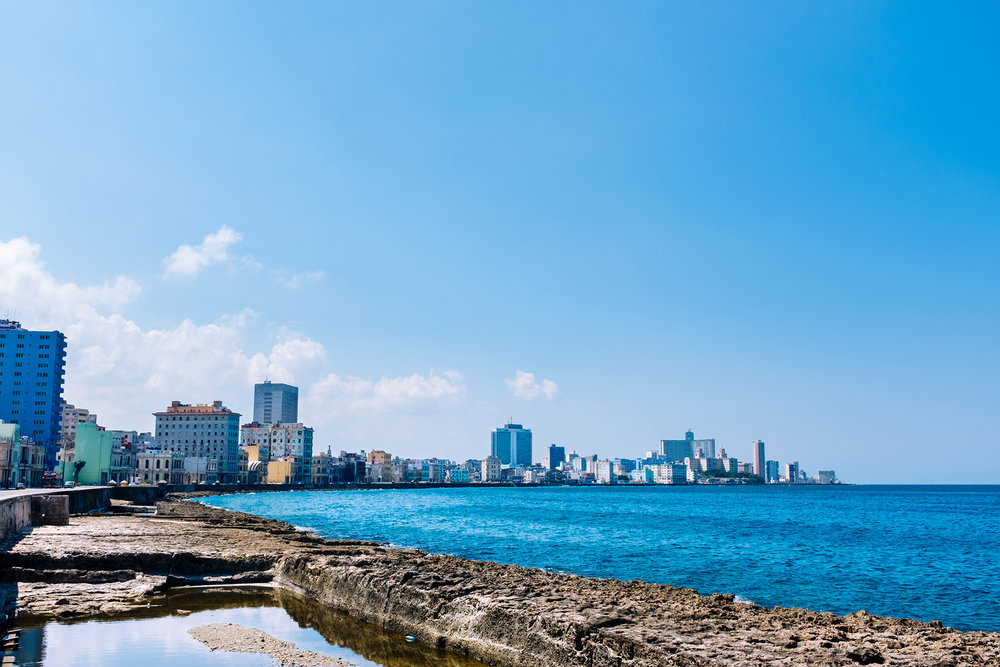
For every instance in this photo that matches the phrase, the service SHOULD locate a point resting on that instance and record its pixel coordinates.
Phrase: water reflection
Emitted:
(158, 634)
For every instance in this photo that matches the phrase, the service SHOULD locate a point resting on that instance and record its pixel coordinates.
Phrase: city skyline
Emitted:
(611, 223)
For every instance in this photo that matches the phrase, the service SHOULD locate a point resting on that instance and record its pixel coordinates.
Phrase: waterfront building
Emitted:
(491, 469)
(32, 365)
(642, 475)
(431, 470)
(746, 469)
(792, 472)
(100, 456)
(208, 434)
(557, 456)
(670, 473)
(827, 476)
(10, 454)
(275, 403)
(604, 472)
(22, 460)
(282, 440)
(349, 468)
(533, 475)
(458, 476)
(771, 474)
(69, 417)
(379, 468)
(154, 466)
(281, 469)
(511, 444)
(201, 469)
(378, 472)
(758, 458)
(322, 468)
(678, 450)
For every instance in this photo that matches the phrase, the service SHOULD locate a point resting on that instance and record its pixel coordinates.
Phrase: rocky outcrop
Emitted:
(502, 615)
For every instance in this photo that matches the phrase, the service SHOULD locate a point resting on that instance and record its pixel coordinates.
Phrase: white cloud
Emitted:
(299, 280)
(336, 395)
(125, 372)
(214, 249)
(524, 386)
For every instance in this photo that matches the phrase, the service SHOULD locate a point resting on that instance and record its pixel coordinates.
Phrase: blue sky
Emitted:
(773, 221)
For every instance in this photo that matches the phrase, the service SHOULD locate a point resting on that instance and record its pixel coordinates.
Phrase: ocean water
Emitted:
(923, 552)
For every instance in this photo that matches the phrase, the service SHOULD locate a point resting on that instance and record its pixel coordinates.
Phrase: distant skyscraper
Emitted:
(275, 403)
(792, 472)
(557, 456)
(771, 472)
(511, 444)
(678, 450)
(31, 383)
(758, 458)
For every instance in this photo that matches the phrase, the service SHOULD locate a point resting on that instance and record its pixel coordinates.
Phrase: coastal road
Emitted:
(13, 493)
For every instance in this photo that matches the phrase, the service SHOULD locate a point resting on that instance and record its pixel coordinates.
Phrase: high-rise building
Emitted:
(557, 456)
(207, 435)
(792, 472)
(772, 472)
(678, 450)
(511, 444)
(31, 383)
(758, 458)
(275, 403)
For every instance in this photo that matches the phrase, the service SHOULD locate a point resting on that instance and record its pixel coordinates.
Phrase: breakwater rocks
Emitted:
(502, 615)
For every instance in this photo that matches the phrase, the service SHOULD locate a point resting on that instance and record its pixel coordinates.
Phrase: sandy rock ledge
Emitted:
(241, 639)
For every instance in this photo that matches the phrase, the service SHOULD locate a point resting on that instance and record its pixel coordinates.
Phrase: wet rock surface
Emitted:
(503, 615)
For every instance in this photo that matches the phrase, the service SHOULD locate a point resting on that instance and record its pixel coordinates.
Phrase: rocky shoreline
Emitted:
(502, 615)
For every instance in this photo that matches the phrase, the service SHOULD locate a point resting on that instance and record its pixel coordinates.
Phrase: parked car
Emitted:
(70, 484)
(19, 485)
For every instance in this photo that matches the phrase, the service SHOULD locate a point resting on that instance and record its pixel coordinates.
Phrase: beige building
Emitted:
(71, 416)
(207, 435)
(491, 469)
(153, 466)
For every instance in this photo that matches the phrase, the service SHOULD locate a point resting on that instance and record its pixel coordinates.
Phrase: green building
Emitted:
(104, 455)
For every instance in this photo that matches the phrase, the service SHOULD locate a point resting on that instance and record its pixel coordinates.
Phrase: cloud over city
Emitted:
(189, 260)
(525, 386)
(124, 371)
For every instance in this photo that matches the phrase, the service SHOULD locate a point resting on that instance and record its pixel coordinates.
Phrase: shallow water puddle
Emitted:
(160, 634)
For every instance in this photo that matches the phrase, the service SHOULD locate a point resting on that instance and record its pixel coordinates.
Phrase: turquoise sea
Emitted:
(924, 552)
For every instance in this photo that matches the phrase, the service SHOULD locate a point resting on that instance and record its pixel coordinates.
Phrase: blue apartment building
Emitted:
(32, 364)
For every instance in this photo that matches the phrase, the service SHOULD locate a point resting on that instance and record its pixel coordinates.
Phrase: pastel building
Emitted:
(491, 469)
(154, 466)
(100, 456)
(282, 441)
(208, 435)
(32, 364)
